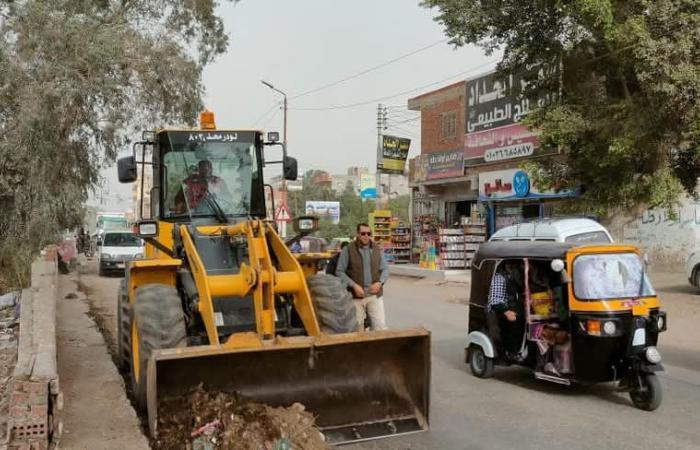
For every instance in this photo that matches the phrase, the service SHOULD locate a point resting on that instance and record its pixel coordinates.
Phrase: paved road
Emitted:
(513, 410)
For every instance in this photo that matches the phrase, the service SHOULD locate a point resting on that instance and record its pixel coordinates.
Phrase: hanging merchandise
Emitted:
(401, 244)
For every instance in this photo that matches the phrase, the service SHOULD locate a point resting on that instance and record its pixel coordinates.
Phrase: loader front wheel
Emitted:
(157, 322)
(333, 304)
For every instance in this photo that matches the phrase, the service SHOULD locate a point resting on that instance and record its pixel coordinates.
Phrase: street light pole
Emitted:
(284, 138)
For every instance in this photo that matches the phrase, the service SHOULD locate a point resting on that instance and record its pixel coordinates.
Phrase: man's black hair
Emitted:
(360, 225)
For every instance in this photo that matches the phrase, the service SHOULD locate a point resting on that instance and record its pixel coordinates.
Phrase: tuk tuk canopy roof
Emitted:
(518, 250)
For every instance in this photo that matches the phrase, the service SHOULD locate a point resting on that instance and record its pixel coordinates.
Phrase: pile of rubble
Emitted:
(208, 421)
(9, 333)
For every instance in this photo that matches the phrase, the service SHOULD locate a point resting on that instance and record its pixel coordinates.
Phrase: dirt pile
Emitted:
(208, 421)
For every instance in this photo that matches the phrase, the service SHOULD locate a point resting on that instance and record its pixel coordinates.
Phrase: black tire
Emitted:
(333, 304)
(123, 328)
(158, 317)
(696, 276)
(101, 270)
(648, 396)
(480, 364)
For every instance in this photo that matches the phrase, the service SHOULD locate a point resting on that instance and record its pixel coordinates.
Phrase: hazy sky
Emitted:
(305, 44)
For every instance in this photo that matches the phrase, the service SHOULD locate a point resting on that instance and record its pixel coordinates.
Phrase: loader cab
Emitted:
(204, 175)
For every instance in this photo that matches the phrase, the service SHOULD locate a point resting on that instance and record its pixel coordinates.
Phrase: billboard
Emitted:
(368, 186)
(324, 210)
(496, 100)
(394, 154)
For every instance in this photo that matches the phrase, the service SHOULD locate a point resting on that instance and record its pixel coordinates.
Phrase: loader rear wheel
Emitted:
(157, 322)
(123, 328)
(333, 304)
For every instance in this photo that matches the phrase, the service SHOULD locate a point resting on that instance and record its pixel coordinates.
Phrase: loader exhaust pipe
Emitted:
(360, 386)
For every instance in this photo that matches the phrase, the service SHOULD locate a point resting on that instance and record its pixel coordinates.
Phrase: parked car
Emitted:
(692, 268)
(573, 230)
(116, 248)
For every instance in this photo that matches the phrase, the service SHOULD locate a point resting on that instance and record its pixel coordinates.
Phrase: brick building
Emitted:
(473, 146)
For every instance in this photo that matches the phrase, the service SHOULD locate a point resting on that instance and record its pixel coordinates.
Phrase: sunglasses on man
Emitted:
(365, 233)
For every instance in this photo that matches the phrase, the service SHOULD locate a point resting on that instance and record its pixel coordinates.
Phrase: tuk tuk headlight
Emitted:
(652, 355)
(609, 327)
(660, 323)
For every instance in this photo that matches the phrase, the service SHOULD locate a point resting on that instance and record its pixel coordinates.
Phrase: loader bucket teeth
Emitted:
(359, 386)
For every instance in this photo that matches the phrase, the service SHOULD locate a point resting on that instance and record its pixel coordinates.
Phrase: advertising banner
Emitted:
(368, 186)
(513, 184)
(418, 169)
(394, 154)
(500, 144)
(324, 210)
(445, 165)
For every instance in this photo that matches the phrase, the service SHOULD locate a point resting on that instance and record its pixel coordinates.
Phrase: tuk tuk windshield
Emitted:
(610, 276)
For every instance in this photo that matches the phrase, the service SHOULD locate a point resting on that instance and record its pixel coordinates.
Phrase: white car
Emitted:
(575, 230)
(116, 248)
(692, 268)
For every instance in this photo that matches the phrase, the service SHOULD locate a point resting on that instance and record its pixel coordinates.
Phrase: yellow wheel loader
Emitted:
(219, 299)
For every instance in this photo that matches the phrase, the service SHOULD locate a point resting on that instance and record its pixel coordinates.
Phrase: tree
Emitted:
(628, 118)
(79, 79)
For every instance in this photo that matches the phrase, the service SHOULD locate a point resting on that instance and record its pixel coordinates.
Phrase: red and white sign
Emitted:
(282, 214)
(504, 143)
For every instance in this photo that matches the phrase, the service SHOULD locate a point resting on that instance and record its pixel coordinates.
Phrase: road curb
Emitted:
(34, 391)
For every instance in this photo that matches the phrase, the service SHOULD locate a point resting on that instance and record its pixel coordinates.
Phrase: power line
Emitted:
(371, 69)
(264, 115)
(376, 100)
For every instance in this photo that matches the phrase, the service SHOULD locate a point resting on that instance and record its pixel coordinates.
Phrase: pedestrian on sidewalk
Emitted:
(362, 267)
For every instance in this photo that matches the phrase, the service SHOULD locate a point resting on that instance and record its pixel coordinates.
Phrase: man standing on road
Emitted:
(363, 268)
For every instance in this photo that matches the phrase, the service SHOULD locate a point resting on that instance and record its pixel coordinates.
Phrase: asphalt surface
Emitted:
(513, 410)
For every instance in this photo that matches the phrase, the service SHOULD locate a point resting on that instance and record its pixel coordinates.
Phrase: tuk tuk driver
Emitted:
(506, 303)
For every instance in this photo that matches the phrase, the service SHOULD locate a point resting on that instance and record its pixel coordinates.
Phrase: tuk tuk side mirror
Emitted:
(290, 168)
(126, 168)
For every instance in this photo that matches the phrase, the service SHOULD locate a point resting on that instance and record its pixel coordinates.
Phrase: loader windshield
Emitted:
(210, 174)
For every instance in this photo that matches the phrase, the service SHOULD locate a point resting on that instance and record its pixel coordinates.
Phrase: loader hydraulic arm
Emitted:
(258, 278)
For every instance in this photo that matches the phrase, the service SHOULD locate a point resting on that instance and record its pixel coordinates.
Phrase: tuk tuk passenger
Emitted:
(505, 301)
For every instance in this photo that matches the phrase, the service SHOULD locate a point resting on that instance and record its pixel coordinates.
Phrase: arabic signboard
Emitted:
(368, 186)
(499, 144)
(394, 154)
(513, 184)
(495, 100)
(324, 210)
(445, 165)
(418, 169)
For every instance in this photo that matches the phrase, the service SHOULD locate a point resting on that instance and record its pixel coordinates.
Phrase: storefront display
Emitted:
(401, 244)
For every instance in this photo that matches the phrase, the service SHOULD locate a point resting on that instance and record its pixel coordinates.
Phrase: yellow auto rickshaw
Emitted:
(581, 314)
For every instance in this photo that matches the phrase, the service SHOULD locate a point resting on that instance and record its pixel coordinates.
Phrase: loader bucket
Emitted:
(360, 386)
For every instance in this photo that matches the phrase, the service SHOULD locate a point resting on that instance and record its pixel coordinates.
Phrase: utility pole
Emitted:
(283, 225)
(381, 126)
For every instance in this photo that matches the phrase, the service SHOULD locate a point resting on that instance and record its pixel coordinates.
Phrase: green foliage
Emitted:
(353, 210)
(628, 120)
(78, 79)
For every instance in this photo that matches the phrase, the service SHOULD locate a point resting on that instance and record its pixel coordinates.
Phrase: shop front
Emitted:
(510, 196)
(445, 209)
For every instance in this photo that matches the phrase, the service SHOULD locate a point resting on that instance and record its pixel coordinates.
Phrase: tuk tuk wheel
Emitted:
(647, 394)
(480, 364)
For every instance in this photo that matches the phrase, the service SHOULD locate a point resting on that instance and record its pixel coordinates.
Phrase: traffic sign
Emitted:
(282, 214)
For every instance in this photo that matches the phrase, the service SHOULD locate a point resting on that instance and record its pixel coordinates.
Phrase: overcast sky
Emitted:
(306, 44)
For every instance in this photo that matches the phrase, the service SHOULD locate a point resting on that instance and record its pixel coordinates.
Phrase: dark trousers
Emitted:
(512, 333)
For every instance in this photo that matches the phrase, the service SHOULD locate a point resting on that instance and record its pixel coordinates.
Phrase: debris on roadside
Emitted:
(9, 300)
(221, 420)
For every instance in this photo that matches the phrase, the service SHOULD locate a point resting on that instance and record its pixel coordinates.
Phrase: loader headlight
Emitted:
(652, 355)
(106, 256)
